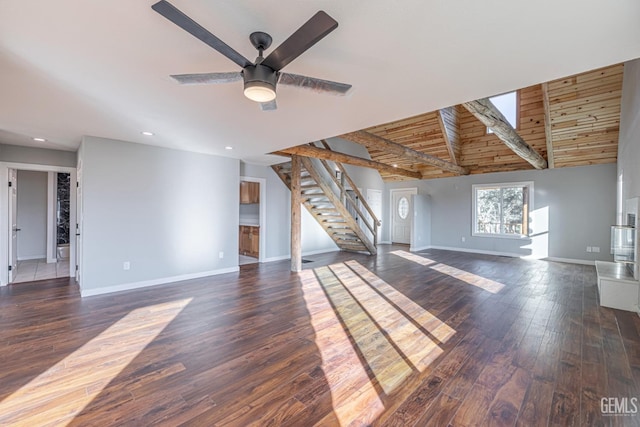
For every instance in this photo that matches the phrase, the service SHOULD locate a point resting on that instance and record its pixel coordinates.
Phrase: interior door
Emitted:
(401, 211)
(13, 223)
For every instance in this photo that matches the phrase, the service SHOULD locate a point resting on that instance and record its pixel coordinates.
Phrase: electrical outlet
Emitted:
(588, 248)
(221, 255)
(595, 249)
(126, 265)
(463, 239)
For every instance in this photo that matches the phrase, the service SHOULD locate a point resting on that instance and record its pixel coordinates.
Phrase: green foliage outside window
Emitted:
(501, 210)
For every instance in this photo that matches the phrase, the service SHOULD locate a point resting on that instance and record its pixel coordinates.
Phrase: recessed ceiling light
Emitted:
(228, 147)
(395, 165)
(147, 133)
(39, 139)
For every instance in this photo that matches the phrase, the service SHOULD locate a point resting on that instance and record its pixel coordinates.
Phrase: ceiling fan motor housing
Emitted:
(259, 75)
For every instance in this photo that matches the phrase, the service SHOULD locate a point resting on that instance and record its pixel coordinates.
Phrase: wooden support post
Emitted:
(296, 222)
(547, 125)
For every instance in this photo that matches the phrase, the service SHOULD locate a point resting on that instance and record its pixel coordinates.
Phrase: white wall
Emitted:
(32, 215)
(39, 156)
(629, 142)
(572, 208)
(167, 212)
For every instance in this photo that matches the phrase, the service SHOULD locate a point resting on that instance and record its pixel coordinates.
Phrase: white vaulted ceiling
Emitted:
(70, 68)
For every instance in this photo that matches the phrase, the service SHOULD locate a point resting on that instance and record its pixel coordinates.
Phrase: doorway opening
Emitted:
(42, 226)
(37, 224)
(251, 244)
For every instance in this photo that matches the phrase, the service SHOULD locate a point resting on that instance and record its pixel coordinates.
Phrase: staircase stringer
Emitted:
(339, 206)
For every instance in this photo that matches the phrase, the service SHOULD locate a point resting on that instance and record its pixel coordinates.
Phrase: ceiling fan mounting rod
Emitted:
(260, 41)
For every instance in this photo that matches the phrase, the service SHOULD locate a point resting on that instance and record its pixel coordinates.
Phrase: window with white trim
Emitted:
(502, 210)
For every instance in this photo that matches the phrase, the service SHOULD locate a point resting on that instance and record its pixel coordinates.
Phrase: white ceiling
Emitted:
(70, 68)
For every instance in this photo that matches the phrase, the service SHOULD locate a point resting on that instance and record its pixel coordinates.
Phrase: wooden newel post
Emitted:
(296, 223)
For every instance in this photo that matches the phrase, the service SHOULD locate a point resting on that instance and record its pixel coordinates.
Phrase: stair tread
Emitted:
(331, 217)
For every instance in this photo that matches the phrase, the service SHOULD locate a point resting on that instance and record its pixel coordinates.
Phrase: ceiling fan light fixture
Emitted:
(259, 91)
(259, 83)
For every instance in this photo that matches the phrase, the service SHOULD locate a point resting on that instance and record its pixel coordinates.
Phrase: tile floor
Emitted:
(247, 260)
(38, 269)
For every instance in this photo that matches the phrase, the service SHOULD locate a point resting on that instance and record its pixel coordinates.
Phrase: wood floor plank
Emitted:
(396, 339)
(536, 406)
(506, 405)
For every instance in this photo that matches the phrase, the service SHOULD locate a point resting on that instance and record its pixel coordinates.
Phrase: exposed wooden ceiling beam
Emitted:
(490, 116)
(445, 135)
(370, 140)
(547, 125)
(321, 153)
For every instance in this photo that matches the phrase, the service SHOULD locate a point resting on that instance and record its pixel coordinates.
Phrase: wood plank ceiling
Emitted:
(572, 121)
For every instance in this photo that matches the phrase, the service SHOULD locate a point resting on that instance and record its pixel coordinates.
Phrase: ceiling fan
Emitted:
(260, 77)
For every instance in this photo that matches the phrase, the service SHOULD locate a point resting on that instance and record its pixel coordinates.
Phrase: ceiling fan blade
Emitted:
(269, 106)
(207, 78)
(316, 85)
(306, 36)
(174, 15)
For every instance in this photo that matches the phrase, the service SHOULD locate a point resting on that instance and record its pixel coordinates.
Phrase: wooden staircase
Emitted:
(326, 198)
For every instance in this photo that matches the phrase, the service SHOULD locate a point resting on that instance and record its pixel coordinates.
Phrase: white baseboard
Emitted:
(508, 254)
(420, 248)
(30, 257)
(154, 282)
(304, 254)
(321, 251)
(276, 258)
(384, 242)
(476, 251)
(571, 260)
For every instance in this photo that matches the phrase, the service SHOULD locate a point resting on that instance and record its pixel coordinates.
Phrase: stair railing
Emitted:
(371, 224)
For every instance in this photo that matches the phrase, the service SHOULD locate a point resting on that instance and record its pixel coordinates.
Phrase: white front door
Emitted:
(374, 199)
(401, 213)
(13, 223)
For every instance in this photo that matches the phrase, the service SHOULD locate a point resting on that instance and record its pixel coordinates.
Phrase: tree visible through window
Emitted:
(502, 209)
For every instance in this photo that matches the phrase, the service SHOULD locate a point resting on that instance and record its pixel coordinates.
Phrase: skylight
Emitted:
(507, 105)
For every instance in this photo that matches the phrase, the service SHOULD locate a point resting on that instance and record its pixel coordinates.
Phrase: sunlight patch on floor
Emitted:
(340, 361)
(470, 278)
(434, 326)
(370, 333)
(356, 308)
(413, 257)
(59, 394)
(464, 276)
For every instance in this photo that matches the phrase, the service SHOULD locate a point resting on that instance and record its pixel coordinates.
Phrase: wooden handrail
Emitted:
(341, 208)
(376, 223)
(343, 191)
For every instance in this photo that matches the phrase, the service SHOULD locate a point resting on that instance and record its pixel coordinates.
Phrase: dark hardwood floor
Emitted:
(400, 339)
